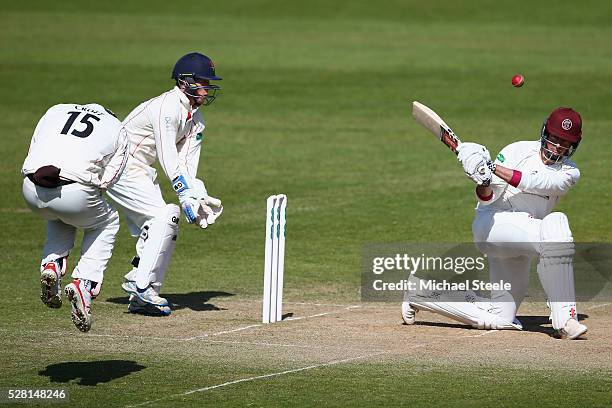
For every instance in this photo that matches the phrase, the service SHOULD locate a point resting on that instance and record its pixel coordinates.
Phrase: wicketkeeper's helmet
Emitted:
(195, 67)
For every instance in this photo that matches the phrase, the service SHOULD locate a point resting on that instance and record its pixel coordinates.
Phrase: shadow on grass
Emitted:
(90, 373)
(196, 301)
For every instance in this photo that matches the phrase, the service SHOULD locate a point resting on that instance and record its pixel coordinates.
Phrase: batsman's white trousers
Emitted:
(67, 208)
(512, 240)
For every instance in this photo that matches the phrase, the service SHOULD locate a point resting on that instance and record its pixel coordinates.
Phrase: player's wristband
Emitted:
(492, 166)
(179, 184)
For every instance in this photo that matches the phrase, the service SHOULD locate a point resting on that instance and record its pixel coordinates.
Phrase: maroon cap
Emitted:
(566, 124)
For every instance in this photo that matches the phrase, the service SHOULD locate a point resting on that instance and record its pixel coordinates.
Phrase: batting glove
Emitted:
(477, 169)
(467, 149)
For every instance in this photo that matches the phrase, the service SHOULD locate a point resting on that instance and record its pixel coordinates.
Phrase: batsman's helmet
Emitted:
(193, 68)
(565, 124)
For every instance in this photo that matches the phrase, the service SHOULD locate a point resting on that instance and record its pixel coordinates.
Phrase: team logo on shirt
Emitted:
(566, 124)
(501, 158)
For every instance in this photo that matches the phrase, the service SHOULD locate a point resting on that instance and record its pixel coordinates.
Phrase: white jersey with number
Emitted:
(169, 129)
(536, 187)
(86, 142)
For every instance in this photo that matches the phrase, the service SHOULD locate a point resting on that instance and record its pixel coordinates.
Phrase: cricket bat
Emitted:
(434, 123)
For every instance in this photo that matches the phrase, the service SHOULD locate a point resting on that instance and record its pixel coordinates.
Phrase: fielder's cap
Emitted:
(566, 124)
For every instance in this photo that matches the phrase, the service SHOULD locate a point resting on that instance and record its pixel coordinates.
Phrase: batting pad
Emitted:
(468, 308)
(468, 313)
(556, 269)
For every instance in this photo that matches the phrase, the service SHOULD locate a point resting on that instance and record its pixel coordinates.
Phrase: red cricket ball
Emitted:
(518, 80)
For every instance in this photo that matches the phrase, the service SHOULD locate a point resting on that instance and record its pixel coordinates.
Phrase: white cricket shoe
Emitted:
(149, 295)
(408, 313)
(79, 295)
(572, 330)
(137, 305)
(51, 285)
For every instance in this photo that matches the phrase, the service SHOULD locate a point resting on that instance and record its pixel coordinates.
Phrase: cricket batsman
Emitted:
(515, 222)
(168, 128)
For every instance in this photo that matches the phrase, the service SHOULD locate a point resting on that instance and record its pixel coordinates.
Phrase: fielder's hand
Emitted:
(210, 210)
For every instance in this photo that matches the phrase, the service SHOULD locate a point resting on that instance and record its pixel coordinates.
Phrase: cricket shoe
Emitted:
(572, 330)
(136, 305)
(51, 284)
(79, 294)
(409, 309)
(408, 313)
(149, 295)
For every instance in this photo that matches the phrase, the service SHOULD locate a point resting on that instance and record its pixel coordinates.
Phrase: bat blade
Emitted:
(434, 123)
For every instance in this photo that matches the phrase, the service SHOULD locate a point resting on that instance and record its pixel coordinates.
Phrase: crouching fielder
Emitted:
(77, 151)
(168, 127)
(515, 222)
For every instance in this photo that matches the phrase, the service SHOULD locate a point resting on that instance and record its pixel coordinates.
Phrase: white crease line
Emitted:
(597, 306)
(220, 333)
(322, 314)
(259, 377)
(78, 334)
(202, 336)
(483, 334)
(255, 343)
(315, 304)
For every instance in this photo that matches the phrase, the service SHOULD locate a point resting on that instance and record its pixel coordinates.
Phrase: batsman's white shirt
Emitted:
(166, 128)
(86, 142)
(539, 186)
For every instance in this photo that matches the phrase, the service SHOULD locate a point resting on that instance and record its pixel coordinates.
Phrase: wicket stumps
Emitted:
(274, 258)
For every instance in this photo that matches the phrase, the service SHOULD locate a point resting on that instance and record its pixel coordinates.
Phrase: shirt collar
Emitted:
(184, 100)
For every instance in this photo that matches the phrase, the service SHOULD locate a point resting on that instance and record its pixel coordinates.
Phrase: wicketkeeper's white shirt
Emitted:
(168, 128)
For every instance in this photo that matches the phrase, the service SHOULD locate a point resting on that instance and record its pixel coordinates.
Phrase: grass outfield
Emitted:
(315, 104)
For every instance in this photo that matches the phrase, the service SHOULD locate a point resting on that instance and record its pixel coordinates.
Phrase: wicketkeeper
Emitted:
(77, 151)
(515, 222)
(170, 128)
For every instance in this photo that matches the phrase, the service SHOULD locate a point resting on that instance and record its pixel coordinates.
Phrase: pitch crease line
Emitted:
(322, 314)
(259, 377)
(597, 306)
(202, 336)
(484, 334)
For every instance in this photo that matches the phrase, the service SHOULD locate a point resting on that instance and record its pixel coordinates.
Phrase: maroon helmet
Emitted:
(564, 124)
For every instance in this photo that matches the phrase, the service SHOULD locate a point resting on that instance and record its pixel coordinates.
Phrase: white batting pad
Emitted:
(556, 269)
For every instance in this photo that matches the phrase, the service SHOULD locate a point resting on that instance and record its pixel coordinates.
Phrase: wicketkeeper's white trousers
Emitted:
(138, 195)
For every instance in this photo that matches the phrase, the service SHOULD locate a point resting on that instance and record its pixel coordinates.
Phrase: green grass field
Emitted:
(316, 104)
